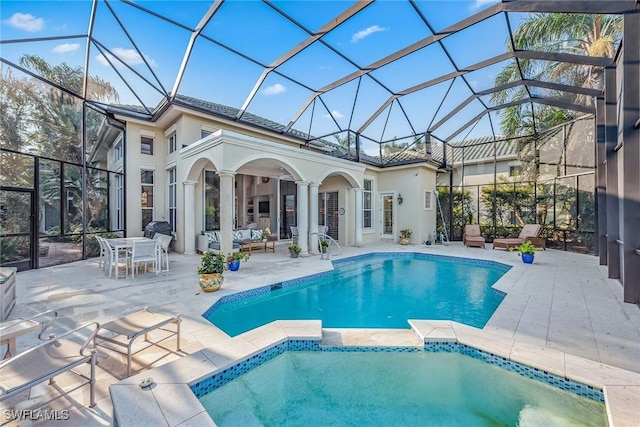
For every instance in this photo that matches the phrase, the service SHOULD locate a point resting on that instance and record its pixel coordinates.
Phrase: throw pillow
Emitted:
(256, 235)
(245, 234)
(237, 236)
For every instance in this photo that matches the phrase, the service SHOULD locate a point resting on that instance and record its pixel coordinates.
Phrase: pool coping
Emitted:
(170, 401)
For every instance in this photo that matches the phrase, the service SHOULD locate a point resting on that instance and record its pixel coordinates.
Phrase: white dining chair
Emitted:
(103, 255)
(107, 256)
(163, 249)
(144, 251)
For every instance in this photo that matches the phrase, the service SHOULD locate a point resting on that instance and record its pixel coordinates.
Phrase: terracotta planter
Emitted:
(211, 282)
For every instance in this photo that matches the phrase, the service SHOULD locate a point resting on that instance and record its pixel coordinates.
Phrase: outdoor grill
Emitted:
(162, 227)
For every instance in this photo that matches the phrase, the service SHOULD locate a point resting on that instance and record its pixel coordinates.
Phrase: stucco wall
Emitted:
(411, 183)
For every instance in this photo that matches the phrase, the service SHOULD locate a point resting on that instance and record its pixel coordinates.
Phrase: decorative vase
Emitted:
(293, 254)
(527, 258)
(211, 282)
(405, 240)
(234, 265)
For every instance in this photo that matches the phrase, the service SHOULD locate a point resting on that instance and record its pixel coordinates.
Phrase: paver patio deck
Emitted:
(562, 302)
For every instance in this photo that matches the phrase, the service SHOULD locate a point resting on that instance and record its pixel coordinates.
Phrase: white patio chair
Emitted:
(144, 251)
(109, 253)
(103, 255)
(294, 234)
(163, 249)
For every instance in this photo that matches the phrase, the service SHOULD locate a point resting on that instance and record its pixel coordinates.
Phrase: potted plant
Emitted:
(323, 244)
(265, 234)
(212, 265)
(405, 236)
(526, 251)
(233, 260)
(294, 250)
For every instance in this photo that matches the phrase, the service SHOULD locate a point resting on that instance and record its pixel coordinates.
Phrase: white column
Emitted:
(226, 211)
(189, 211)
(313, 217)
(303, 215)
(358, 218)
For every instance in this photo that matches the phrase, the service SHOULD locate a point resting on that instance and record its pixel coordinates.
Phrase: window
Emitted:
(172, 142)
(146, 197)
(428, 200)
(367, 204)
(515, 170)
(118, 150)
(119, 202)
(205, 133)
(146, 145)
(172, 199)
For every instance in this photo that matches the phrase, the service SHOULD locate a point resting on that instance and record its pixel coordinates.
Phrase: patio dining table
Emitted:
(123, 243)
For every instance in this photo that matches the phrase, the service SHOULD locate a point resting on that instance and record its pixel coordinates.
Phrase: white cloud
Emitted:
(274, 89)
(65, 47)
(128, 56)
(477, 4)
(335, 113)
(366, 32)
(25, 21)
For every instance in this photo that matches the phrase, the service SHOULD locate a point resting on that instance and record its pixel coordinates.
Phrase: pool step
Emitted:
(339, 337)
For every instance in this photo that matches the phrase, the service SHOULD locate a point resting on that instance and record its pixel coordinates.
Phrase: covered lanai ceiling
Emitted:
(388, 71)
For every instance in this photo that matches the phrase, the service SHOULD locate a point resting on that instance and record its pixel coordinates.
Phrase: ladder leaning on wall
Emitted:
(445, 234)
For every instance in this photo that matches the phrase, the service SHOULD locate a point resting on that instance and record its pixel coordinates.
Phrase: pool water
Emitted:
(375, 292)
(393, 389)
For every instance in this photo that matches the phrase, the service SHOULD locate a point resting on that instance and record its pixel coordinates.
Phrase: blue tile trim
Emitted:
(305, 279)
(218, 379)
(541, 375)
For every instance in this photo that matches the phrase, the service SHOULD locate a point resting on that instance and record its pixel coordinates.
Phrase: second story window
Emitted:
(118, 150)
(146, 145)
(172, 142)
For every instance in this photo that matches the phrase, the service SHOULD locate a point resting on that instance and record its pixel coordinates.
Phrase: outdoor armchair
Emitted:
(472, 236)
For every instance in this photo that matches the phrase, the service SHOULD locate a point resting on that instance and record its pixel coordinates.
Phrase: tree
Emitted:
(593, 35)
(40, 119)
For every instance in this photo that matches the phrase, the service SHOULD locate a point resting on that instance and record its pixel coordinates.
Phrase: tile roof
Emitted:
(477, 149)
(474, 149)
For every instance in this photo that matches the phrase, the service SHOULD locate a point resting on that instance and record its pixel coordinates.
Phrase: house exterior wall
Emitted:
(241, 154)
(411, 182)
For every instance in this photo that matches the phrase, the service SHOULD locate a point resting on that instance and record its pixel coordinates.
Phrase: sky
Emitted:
(244, 37)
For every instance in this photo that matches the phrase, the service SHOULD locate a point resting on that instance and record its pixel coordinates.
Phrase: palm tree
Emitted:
(593, 35)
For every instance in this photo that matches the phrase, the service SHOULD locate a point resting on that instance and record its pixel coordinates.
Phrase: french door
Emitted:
(386, 216)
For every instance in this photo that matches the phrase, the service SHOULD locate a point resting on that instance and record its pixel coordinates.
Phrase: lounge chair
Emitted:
(119, 335)
(46, 361)
(472, 236)
(528, 231)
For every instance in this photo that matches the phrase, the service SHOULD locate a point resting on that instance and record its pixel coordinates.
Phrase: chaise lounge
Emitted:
(528, 231)
(48, 360)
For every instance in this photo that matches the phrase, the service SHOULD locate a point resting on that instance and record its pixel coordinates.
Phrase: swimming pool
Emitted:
(391, 386)
(380, 290)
